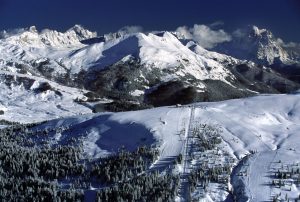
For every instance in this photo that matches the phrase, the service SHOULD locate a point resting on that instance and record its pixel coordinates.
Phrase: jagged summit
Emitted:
(31, 37)
(257, 45)
(33, 29)
(82, 33)
(257, 31)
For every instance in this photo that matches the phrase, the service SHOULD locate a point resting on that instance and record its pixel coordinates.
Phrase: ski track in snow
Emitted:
(184, 186)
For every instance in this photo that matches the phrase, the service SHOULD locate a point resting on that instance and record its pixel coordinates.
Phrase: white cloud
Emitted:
(204, 35)
(11, 32)
(216, 24)
(239, 33)
(290, 45)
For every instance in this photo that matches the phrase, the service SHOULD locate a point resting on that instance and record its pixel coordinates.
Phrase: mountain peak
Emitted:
(253, 32)
(81, 32)
(256, 31)
(33, 29)
(77, 27)
(255, 44)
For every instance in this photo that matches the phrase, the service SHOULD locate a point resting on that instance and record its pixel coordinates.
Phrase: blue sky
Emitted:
(280, 16)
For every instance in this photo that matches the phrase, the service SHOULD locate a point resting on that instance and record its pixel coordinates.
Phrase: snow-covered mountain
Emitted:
(66, 50)
(144, 67)
(48, 38)
(258, 45)
(235, 149)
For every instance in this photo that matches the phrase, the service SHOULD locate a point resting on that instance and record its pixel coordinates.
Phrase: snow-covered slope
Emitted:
(266, 124)
(31, 99)
(256, 122)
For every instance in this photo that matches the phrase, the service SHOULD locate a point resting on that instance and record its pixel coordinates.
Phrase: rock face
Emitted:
(156, 68)
(260, 46)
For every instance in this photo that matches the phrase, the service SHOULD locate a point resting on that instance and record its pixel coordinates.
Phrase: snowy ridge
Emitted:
(31, 37)
(221, 58)
(64, 51)
(153, 51)
(32, 48)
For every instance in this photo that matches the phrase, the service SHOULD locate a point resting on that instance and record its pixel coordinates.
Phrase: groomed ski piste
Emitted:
(259, 141)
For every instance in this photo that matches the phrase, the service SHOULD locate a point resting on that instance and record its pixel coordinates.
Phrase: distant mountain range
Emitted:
(154, 68)
(259, 46)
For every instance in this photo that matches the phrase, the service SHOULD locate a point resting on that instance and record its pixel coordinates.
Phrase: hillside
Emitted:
(250, 137)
